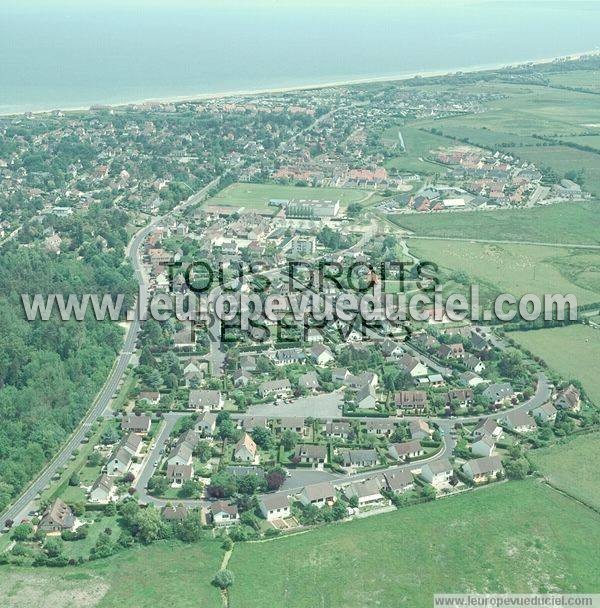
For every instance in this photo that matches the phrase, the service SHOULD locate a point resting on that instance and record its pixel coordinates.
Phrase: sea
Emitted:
(71, 54)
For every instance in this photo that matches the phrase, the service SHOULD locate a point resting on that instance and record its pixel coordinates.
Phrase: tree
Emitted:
(275, 478)
(53, 547)
(516, 469)
(22, 532)
(148, 525)
(223, 579)
(262, 438)
(189, 488)
(190, 529)
(289, 439)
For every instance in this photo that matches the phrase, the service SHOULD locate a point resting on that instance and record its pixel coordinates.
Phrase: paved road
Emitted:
(19, 508)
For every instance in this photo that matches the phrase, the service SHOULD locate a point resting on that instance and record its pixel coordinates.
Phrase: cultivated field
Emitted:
(573, 351)
(257, 196)
(562, 223)
(520, 537)
(569, 467)
(517, 269)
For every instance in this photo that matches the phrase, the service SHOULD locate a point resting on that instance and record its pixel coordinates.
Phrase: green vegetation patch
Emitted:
(569, 467)
(572, 351)
(514, 537)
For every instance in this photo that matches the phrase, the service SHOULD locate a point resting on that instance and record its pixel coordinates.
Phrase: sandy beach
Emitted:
(311, 86)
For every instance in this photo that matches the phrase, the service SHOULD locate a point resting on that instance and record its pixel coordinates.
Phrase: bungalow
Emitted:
(406, 450)
(412, 366)
(254, 422)
(399, 481)
(419, 429)
(274, 506)
(499, 392)
(462, 396)
(245, 450)
(224, 514)
(487, 426)
(241, 378)
(119, 462)
(311, 454)
(205, 400)
(178, 473)
(381, 428)
(415, 401)
(247, 363)
(206, 424)
(321, 354)
(437, 473)
(355, 383)
(366, 492)
(569, 399)
(102, 489)
(138, 424)
(545, 413)
(309, 381)
(295, 424)
(359, 458)
(473, 363)
(391, 349)
(275, 388)
(480, 342)
(318, 494)
(483, 446)
(193, 373)
(181, 454)
(483, 469)
(519, 422)
(341, 430)
(152, 397)
(132, 444)
(57, 517)
(451, 351)
(340, 375)
(470, 379)
(288, 356)
(366, 399)
(177, 513)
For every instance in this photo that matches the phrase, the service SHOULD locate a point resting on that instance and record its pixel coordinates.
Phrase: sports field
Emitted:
(569, 467)
(519, 537)
(257, 196)
(573, 351)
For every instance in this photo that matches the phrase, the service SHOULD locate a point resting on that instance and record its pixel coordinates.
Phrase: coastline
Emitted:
(308, 87)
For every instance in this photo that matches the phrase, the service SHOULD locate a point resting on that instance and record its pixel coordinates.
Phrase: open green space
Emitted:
(521, 536)
(257, 196)
(573, 351)
(575, 223)
(163, 574)
(578, 79)
(568, 466)
(516, 269)
(419, 145)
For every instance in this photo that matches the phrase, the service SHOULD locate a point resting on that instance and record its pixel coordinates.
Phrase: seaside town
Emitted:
(237, 434)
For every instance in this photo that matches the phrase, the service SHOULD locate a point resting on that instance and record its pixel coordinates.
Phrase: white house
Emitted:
(437, 473)
(274, 506)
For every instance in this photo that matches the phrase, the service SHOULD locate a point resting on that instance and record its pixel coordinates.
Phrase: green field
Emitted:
(419, 145)
(517, 269)
(164, 574)
(519, 537)
(257, 196)
(562, 223)
(583, 79)
(569, 467)
(573, 351)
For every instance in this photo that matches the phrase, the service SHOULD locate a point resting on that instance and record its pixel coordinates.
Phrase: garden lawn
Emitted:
(518, 537)
(572, 351)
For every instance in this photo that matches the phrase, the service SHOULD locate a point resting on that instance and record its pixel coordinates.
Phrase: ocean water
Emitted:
(65, 54)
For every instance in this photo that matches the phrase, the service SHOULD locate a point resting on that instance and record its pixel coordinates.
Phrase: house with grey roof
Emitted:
(483, 469)
(275, 506)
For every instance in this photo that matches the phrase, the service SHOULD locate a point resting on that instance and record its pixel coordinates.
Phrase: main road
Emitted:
(20, 507)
